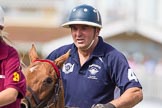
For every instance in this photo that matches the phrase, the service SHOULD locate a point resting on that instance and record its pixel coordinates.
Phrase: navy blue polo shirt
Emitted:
(96, 80)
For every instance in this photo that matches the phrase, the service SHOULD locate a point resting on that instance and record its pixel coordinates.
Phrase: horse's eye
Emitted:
(48, 80)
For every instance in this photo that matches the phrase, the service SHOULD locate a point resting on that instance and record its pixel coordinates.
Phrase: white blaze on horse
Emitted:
(44, 86)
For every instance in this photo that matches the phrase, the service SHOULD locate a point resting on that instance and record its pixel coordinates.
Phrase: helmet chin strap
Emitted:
(91, 41)
(90, 45)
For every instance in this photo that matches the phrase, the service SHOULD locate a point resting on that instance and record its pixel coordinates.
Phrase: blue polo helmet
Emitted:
(84, 14)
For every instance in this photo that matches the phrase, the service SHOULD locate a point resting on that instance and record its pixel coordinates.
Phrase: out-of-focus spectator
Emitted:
(131, 62)
(158, 68)
(150, 65)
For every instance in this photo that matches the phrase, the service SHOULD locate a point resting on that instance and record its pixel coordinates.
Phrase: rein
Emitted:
(55, 92)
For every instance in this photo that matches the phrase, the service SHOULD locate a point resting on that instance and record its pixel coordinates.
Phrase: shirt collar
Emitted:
(100, 49)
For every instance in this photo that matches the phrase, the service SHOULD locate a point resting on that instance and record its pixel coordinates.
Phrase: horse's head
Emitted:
(43, 81)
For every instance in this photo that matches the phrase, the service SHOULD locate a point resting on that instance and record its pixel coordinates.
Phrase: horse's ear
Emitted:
(33, 54)
(59, 61)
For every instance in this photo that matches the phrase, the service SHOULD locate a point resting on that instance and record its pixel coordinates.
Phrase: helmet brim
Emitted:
(67, 24)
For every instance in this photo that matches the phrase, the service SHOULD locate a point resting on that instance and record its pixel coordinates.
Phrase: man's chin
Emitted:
(82, 48)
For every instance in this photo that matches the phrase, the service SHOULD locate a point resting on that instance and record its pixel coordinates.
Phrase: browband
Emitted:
(53, 65)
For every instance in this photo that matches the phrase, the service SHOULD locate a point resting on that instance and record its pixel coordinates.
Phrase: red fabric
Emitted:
(11, 75)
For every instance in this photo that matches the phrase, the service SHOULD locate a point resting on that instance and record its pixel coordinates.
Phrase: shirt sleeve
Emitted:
(122, 75)
(13, 73)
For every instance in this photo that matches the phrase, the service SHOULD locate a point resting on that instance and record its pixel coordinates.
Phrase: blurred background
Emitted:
(132, 26)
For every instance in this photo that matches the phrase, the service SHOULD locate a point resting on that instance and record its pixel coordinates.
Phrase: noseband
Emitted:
(52, 98)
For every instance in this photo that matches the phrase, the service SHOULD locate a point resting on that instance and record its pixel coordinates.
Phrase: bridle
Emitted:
(52, 98)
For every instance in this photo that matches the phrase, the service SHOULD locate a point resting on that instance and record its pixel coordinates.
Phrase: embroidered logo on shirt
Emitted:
(16, 76)
(68, 68)
(93, 69)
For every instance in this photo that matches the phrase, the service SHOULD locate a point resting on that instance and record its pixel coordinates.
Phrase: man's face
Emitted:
(83, 35)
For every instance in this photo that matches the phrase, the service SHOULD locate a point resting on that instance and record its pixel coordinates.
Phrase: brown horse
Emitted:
(44, 86)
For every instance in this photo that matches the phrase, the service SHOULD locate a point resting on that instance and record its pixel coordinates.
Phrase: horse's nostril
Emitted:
(48, 80)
